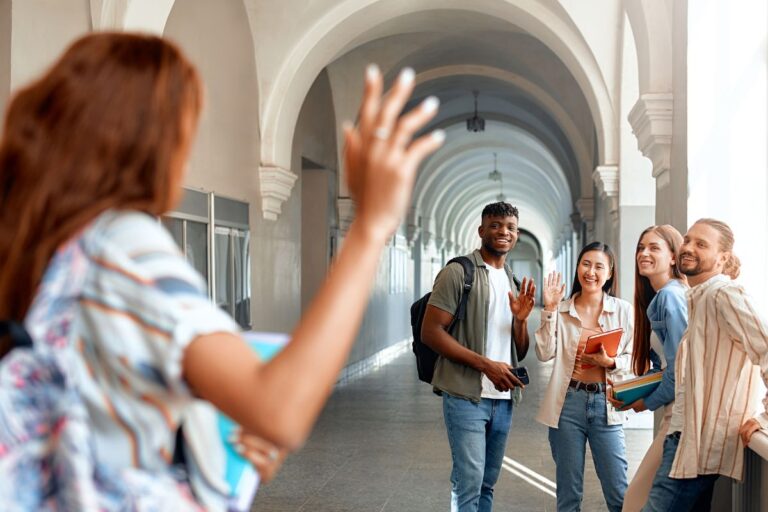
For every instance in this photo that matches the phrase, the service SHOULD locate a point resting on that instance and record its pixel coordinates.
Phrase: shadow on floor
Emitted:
(380, 446)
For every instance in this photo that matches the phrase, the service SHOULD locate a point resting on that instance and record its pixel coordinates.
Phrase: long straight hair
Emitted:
(644, 294)
(610, 284)
(108, 126)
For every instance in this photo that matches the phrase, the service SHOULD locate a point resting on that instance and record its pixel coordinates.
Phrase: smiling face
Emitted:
(700, 254)
(593, 271)
(498, 234)
(654, 257)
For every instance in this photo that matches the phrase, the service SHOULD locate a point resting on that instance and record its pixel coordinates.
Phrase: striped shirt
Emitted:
(141, 305)
(717, 379)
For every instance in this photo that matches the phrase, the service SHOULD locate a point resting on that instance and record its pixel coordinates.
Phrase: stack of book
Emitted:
(631, 390)
(241, 477)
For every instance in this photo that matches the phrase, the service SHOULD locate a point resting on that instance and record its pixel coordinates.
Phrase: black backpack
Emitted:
(426, 358)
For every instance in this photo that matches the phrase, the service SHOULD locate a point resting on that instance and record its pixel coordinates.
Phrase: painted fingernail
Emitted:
(407, 75)
(430, 104)
(438, 135)
(372, 71)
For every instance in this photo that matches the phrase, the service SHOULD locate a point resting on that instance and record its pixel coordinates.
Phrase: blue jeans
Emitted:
(678, 494)
(477, 434)
(584, 418)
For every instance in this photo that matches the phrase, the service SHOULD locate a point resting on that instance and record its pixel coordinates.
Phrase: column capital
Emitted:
(586, 207)
(606, 178)
(412, 228)
(651, 121)
(275, 185)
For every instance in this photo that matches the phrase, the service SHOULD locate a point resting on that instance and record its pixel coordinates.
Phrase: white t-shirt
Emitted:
(498, 343)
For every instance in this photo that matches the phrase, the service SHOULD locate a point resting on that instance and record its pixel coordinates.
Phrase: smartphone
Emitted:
(521, 373)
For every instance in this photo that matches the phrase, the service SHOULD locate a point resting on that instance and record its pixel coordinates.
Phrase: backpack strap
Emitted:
(469, 279)
(18, 334)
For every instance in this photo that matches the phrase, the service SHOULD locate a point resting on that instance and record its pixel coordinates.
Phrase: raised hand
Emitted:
(380, 158)
(522, 305)
(553, 291)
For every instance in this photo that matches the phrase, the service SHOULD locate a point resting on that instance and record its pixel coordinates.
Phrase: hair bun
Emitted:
(732, 267)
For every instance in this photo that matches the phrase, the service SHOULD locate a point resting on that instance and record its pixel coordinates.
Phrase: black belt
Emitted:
(591, 387)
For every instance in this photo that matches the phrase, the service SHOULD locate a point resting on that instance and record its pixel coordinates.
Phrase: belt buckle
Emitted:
(592, 387)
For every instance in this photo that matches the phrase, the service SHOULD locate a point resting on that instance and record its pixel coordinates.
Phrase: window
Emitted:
(221, 253)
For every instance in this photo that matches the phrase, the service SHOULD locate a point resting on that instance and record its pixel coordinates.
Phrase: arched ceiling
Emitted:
(534, 39)
(538, 122)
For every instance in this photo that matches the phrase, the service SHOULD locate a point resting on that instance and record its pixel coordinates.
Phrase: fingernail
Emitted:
(430, 104)
(407, 75)
(233, 439)
(372, 71)
(239, 448)
(438, 135)
(346, 125)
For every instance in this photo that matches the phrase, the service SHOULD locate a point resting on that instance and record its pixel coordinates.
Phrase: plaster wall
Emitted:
(40, 30)
(672, 197)
(637, 188)
(316, 142)
(5, 56)
(225, 155)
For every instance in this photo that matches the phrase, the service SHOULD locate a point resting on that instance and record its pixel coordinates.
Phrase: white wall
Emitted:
(40, 31)
(5, 56)
(728, 127)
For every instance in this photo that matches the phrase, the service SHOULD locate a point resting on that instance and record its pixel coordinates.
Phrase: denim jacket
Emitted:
(668, 314)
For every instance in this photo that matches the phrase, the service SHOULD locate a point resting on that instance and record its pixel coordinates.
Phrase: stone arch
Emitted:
(352, 20)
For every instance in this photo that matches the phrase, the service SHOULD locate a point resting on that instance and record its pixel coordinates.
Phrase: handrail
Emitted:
(759, 443)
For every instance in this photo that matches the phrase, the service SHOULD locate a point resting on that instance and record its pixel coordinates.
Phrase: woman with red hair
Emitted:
(92, 152)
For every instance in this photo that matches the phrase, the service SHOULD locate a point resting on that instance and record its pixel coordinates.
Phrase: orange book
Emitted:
(608, 339)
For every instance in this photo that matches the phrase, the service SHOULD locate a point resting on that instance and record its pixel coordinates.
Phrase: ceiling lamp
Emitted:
(475, 123)
(494, 175)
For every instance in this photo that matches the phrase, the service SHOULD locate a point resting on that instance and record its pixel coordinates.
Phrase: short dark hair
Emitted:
(500, 209)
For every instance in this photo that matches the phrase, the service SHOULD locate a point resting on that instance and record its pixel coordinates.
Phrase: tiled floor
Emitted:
(380, 446)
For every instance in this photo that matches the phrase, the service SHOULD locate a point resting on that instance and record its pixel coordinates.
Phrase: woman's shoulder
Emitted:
(620, 304)
(673, 291)
(134, 234)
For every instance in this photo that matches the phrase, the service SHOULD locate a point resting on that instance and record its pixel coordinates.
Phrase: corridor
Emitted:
(380, 446)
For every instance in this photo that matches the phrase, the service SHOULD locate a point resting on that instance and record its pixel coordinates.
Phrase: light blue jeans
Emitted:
(477, 434)
(678, 494)
(584, 418)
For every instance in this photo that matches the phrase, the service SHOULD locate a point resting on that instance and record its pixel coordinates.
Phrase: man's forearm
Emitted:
(520, 334)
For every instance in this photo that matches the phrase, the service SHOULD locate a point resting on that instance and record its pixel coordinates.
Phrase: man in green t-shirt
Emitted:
(473, 372)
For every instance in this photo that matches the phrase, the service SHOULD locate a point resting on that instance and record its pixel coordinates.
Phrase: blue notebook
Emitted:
(241, 477)
(631, 390)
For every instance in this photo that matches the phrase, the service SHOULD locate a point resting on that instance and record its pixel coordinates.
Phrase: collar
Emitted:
(569, 306)
(699, 289)
(478, 258)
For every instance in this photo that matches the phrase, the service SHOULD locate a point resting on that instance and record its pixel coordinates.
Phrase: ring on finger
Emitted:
(272, 454)
(381, 133)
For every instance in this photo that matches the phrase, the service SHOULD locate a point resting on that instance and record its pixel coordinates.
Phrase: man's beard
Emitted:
(490, 249)
(696, 270)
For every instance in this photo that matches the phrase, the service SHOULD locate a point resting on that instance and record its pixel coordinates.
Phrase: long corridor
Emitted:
(380, 446)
